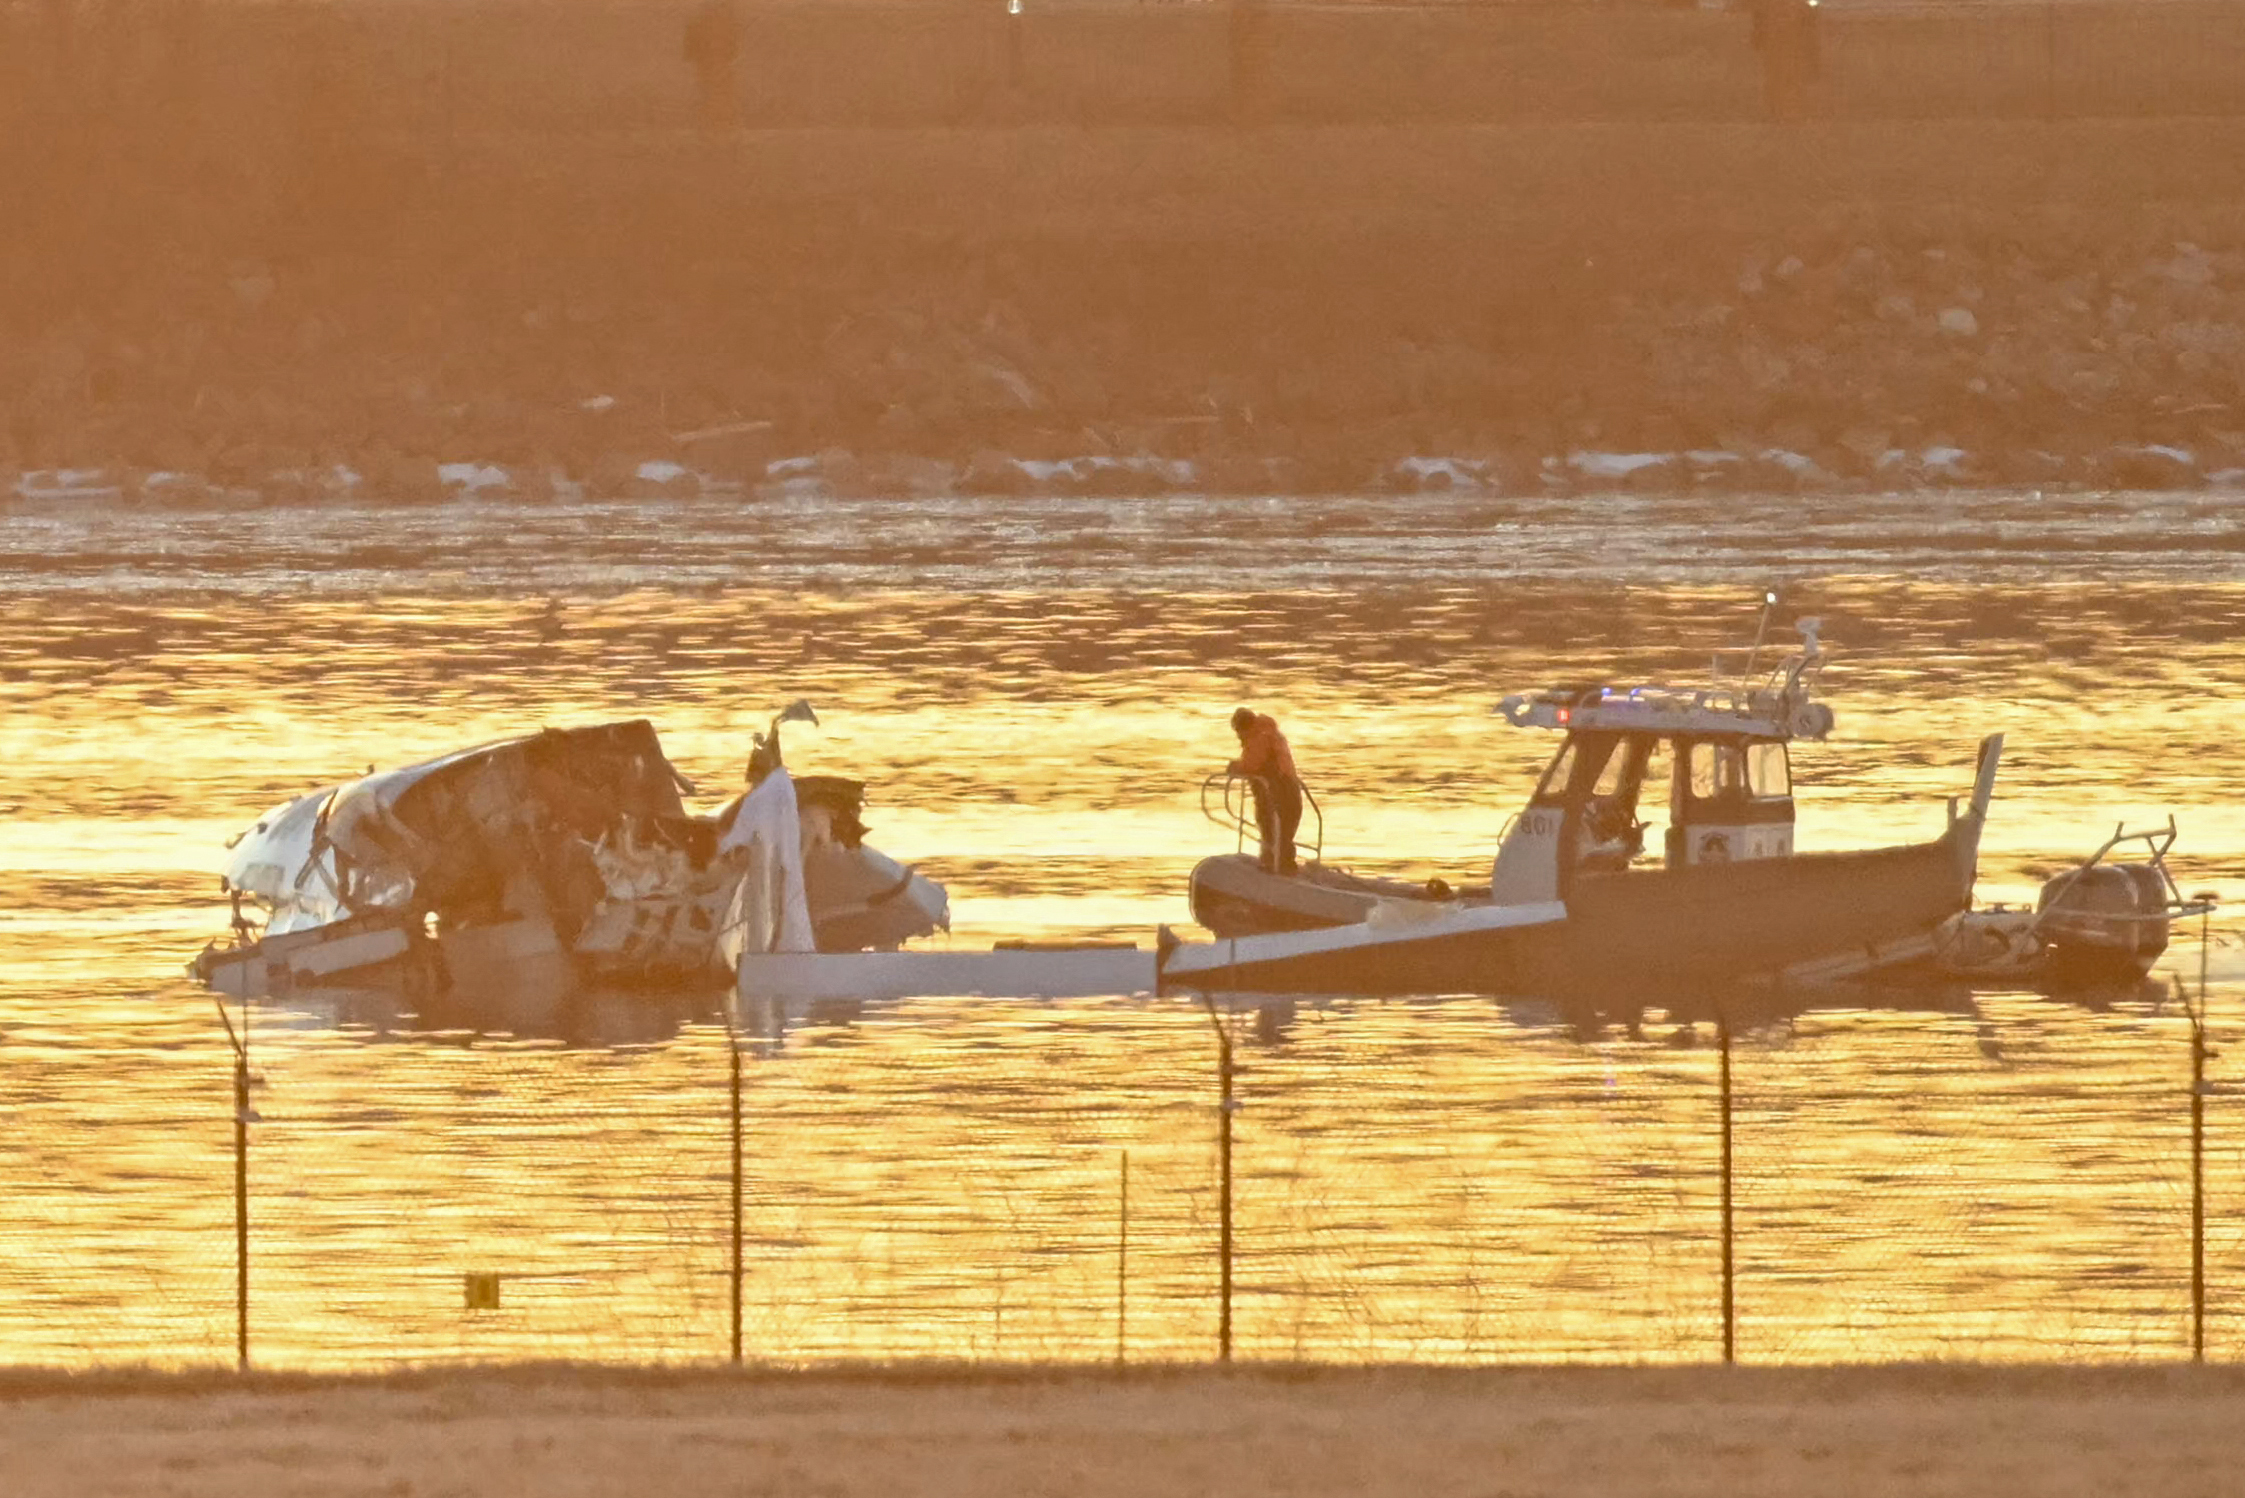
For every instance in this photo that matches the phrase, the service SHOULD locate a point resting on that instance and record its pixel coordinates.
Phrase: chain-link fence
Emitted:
(2028, 1197)
(1456, 1182)
(116, 1240)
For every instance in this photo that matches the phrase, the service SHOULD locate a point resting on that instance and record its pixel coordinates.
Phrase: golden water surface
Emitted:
(1034, 690)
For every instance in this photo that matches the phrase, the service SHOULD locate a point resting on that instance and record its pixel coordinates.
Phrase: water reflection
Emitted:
(585, 1017)
(1033, 689)
(625, 1019)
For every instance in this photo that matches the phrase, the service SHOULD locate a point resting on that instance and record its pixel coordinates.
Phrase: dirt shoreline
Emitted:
(1581, 1433)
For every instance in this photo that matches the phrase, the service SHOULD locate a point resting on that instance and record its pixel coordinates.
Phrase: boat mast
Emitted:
(1761, 632)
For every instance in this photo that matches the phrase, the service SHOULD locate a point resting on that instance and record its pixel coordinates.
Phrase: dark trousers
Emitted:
(1278, 815)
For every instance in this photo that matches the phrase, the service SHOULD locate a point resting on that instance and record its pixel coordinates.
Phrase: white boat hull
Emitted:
(342, 954)
(1401, 948)
(1025, 973)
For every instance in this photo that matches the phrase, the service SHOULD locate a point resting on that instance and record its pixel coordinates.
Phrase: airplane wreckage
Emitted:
(564, 858)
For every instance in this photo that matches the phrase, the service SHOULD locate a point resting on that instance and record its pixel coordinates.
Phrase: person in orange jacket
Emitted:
(1264, 755)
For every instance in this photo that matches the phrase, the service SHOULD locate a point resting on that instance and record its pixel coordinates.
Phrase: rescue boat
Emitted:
(1583, 898)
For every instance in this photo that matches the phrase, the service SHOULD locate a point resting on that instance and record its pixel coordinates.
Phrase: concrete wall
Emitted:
(600, 66)
(946, 62)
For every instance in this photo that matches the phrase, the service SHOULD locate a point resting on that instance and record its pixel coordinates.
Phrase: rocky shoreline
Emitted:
(1853, 363)
(842, 474)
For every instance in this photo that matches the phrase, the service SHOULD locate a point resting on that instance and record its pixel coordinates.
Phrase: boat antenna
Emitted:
(1761, 633)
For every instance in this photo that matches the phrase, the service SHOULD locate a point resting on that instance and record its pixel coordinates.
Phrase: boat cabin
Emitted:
(1659, 776)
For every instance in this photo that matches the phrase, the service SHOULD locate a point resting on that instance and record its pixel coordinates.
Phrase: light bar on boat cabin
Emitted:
(1663, 709)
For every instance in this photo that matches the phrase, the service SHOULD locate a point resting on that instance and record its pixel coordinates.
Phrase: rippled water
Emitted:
(1034, 688)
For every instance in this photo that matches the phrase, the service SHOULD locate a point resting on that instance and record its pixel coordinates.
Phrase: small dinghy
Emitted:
(1233, 894)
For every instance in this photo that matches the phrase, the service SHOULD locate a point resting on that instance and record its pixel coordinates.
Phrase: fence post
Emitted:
(238, 1042)
(1224, 1163)
(2198, 1138)
(1730, 1262)
(1225, 1107)
(733, 1051)
(1017, 66)
(1122, 1266)
(2197, 1188)
(448, 100)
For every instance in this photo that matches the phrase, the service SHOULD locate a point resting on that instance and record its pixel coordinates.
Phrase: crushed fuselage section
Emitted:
(565, 856)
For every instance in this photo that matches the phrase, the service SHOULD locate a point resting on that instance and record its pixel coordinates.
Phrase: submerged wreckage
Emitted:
(561, 858)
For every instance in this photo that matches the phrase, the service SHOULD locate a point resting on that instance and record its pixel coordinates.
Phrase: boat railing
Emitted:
(1227, 799)
(1789, 680)
(2156, 842)
(1775, 691)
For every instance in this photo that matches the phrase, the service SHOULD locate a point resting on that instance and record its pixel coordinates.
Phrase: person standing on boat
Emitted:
(1265, 758)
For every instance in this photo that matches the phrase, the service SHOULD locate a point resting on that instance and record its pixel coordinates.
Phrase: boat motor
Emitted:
(2104, 924)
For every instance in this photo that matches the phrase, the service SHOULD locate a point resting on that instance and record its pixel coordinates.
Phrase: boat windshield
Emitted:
(1756, 770)
(1552, 789)
(1769, 775)
(1654, 770)
(1607, 767)
(1611, 778)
